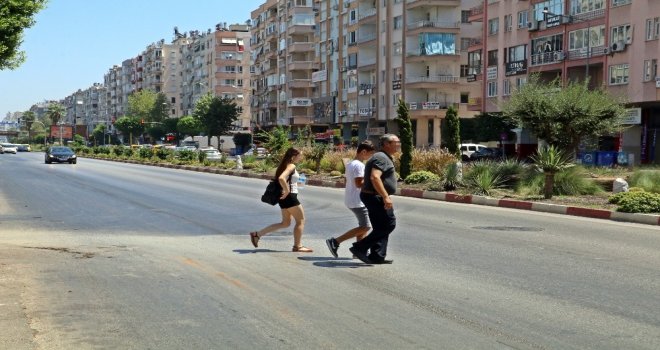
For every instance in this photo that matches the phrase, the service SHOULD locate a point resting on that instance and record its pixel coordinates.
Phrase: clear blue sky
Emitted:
(75, 42)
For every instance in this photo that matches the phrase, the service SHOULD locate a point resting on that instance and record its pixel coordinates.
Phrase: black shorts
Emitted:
(289, 201)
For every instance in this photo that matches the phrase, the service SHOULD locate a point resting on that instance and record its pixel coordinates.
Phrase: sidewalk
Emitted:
(647, 219)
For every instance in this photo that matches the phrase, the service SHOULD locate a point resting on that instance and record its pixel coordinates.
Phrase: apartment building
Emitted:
(282, 40)
(367, 55)
(615, 43)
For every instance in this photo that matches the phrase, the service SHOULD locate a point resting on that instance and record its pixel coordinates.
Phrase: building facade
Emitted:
(613, 43)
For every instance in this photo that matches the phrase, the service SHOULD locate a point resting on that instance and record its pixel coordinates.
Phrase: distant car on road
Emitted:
(489, 153)
(468, 148)
(9, 148)
(24, 148)
(60, 154)
(212, 154)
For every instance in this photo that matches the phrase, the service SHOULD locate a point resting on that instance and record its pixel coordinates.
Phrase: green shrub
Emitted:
(569, 181)
(145, 153)
(201, 157)
(163, 153)
(637, 202)
(128, 152)
(419, 177)
(118, 150)
(335, 173)
(649, 180)
(186, 155)
(484, 182)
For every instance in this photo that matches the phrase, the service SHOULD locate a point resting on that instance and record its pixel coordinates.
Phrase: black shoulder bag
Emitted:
(273, 192)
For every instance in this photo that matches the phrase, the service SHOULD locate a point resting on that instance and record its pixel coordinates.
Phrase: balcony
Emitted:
(423, 54)
(301, 29)
(302, 65)
(366, 38)
(367, 14)
(411, 4)
(427, 108)
(433, 27)
(301, 47)
(547, 58)
(366, 63)
(431, 81)
(582, 53)
(476, 14)
(300, 83)
(299, 102)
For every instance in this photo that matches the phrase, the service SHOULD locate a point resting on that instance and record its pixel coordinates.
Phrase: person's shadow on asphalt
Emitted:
(324, 261)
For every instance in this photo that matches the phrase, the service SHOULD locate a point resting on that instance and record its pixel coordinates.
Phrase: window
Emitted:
(464, 70)
(397, 48)
(583, 6)
(622, 33)
(493, 26)
(492, 89)
(492, 58)
(230, 69)
(619, 74)
(352, 38)
(522, 19)
(620, 2)
(508, 23)
(465, 43)
(516, 53)
(398, 22)
(578, 39)
(506, 87)
(465, 97)
(464, 16)
(520, 82)
(554, 6)
(474, 62)
(650, 69)
(653, 28)
(396, 73)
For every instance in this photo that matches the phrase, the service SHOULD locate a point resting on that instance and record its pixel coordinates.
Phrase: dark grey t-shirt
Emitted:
(382, 162)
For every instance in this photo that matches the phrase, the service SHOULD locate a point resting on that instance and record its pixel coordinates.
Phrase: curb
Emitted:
(646, 219)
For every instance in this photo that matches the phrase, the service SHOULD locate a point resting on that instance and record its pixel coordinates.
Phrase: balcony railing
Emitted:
(366, 37)
(446, 79)
(547, 58)
(367, 13)
(433, 24)
(428, 105)
(582, 53)
(424, 52)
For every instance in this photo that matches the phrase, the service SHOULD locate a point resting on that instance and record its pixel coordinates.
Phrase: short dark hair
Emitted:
(366, 145)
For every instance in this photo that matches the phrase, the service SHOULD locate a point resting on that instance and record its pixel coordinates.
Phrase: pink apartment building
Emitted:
(616, 43)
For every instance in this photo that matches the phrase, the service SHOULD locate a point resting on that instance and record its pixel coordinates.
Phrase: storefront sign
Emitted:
(396, 84)
(552, 21)
(491, 73)
(471, 78)
(515, 68)
(634, 116)
(375, 131)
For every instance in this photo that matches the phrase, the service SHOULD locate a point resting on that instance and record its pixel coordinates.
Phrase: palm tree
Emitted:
(55, 112)
(551, 160)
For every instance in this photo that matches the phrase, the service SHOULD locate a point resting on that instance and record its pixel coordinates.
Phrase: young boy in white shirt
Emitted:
(354, 180)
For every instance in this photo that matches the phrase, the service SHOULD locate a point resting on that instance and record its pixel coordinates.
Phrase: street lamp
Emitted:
(572, 19)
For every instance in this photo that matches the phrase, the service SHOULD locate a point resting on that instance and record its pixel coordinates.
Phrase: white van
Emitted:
(468, 148)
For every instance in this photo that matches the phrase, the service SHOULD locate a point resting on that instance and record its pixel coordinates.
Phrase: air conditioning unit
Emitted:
(533, 25)
(618, 46)
(314, 27)
(559, 56)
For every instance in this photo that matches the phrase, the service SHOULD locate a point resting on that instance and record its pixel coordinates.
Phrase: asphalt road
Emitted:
(106, 255)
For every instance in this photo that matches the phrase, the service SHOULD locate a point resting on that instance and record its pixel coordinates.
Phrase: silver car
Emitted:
(9, 148)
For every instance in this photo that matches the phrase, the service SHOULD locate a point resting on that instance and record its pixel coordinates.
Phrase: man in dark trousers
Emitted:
(379, 184)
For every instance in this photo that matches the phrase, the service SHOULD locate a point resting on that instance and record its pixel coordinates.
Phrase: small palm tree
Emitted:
(55, 112)
(551, 160)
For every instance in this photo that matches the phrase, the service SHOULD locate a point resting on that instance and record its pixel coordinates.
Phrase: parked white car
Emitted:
(212, 154)
(468, 148)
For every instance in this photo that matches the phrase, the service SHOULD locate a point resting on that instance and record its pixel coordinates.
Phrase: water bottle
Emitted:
(302, 179)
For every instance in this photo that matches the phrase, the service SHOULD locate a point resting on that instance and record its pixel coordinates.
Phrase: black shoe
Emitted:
(383, 262)
(332, 246)
(360, 255)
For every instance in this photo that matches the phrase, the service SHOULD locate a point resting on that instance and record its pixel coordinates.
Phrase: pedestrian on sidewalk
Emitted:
(287, 175)
(354, 179)
(379, 184)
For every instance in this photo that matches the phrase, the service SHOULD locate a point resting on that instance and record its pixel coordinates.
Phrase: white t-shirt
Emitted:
(352, 193)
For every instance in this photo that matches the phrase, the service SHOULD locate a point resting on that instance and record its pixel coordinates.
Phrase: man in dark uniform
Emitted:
(379, 184)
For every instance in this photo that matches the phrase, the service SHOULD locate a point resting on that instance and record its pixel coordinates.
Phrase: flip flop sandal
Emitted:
(302, 249)
(254, 237)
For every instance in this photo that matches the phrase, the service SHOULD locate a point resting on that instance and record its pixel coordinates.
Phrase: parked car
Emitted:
(24, 148)
(9, 148)
(60, 154)
(212, 154)
(488, 153)
(468, 148)
(2, 149)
